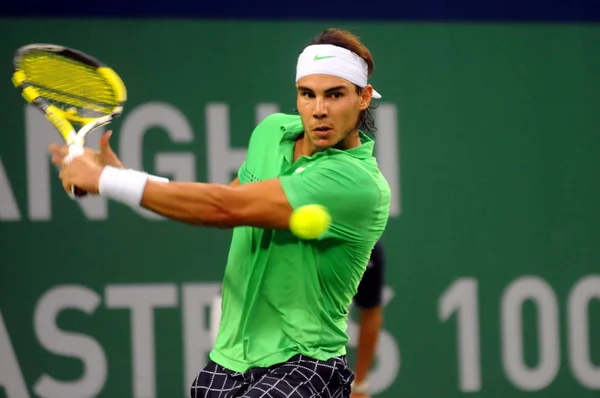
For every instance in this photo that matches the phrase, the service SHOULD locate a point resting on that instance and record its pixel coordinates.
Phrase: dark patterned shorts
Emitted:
(299, 377)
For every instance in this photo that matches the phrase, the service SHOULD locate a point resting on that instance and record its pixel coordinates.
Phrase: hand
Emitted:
(83, 172)
(359, 395)
(105, 157)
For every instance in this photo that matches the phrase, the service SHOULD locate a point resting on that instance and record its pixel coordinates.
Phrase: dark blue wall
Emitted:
(415, 10)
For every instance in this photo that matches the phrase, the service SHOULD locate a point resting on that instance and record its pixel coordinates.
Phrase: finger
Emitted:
(66, 186)
(65, 169)
(58, 160)
(58, 149)
(90, 151)
(104, 143)
(64, 177)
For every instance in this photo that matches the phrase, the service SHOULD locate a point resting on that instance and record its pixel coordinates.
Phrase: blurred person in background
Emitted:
(368, 299)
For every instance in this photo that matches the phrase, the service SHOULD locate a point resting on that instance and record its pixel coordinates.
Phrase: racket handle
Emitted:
(78, 192)
(75, 150)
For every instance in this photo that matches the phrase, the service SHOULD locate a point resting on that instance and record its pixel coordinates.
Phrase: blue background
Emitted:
(415, 10)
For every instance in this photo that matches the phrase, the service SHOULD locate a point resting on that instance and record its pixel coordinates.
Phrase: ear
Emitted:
(366, 95)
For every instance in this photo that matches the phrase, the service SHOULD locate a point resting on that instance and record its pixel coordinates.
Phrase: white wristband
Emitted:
(157, 178)
(123, 185)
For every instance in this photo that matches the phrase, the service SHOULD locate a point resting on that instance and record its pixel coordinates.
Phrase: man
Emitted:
(369, 301)
(285, 300)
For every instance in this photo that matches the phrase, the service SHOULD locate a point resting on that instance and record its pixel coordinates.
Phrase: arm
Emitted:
(369, 301)
(233, 183)
(262, 204)
(370, 323)
(265, 204)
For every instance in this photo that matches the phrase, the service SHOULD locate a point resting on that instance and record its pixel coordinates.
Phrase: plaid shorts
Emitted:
(299, 377)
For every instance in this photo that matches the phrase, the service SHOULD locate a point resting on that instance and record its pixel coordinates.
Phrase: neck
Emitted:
(305, 147)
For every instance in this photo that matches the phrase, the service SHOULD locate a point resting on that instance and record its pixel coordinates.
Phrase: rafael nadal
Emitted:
(285, 300)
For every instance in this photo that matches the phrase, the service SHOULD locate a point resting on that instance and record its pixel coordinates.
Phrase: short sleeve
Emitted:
(241, 173)
(346, 190)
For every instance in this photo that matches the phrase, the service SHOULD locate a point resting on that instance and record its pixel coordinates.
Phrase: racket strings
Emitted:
(69, 84)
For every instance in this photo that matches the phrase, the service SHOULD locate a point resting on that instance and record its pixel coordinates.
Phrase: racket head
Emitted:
(69, 86)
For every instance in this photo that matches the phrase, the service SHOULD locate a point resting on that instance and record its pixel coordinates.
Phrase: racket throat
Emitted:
(74, 139)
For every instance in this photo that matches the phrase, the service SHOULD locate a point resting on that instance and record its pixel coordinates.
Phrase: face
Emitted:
(329, 107)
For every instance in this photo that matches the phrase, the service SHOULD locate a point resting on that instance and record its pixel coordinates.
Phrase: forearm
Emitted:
(370, 324)
(189, 202)
(261, 204)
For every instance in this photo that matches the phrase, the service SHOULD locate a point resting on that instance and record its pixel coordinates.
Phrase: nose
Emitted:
(320, 110)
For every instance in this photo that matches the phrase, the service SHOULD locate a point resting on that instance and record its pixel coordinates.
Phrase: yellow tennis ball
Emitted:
(310, 221)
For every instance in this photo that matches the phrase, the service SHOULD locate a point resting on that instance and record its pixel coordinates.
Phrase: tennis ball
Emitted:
(310, 221)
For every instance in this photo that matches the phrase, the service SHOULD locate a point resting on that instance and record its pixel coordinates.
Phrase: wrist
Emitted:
(122, 185)
(125, 185)
(116, 163)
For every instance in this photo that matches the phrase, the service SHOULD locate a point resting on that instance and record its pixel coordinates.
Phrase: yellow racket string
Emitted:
(69, 84)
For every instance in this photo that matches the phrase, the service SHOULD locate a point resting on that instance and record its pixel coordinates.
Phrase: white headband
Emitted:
(333, 60)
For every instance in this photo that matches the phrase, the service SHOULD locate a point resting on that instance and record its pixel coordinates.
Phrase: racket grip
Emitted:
(75, 150)
(78, 192)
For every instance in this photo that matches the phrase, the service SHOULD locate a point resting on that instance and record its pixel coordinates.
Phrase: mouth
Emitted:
(322, 130)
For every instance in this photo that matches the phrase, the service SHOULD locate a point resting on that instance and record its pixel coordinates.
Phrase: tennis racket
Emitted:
(71, 88)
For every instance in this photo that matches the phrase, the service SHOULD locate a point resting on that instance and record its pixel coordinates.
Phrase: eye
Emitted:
(336, 95)
(307, 94)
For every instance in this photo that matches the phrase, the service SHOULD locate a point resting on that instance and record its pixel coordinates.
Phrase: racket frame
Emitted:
(63, 121)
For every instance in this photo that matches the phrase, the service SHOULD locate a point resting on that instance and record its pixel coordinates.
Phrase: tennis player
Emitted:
(285, 300)
(368, 299)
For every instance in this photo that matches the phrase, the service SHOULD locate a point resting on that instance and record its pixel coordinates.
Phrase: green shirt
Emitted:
(284, 296)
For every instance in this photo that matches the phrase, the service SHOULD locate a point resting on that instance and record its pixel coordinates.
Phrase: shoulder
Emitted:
(274, 125)
(361, 176)
(279, 119)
